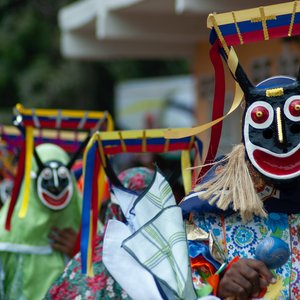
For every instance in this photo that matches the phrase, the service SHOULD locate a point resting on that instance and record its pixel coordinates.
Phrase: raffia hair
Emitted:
(233, 186)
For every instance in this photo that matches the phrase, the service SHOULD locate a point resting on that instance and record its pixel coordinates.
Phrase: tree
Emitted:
(33, 72)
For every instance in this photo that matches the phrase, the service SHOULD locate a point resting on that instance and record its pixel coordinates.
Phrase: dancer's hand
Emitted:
(63, 240)
(245, 279)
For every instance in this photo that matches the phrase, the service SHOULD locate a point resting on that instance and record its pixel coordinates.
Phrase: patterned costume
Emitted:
(251, 194)
(237, 238)
(248, 196)
(72, 284)
(29, 263)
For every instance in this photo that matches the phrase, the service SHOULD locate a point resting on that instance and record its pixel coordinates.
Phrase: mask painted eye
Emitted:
(259, 114)
(295, 108)
(62, 172)
(292, 108)
(47, 174)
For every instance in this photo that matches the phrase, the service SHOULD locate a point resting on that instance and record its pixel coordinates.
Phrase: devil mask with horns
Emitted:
(54, 185)
(54, 181)
(271, 127)
(55, 203)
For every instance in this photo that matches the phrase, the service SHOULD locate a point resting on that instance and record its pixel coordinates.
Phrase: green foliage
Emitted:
(33, 72)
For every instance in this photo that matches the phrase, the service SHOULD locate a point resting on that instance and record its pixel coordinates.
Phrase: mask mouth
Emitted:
(279, 167)
(56, 202)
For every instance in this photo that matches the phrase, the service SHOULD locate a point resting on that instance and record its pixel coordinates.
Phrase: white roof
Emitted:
(108, 29)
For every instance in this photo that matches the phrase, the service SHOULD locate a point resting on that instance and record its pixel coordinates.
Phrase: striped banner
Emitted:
(255, 24)
(66, 128)
(63, 119)
(103, 144)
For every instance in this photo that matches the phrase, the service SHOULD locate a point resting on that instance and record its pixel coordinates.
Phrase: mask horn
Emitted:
(243, 80)
(78, 152)
(298, 75)
(84, 143)
(38, 160)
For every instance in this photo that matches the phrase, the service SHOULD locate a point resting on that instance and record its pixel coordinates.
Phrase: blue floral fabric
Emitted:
(243, 238)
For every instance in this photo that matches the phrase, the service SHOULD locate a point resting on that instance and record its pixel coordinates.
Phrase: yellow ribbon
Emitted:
(101, 186)
(186, 171)
(238, 97)
(90, 270)
(28, 163)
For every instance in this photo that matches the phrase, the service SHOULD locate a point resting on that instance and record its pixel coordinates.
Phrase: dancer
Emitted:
(29, 262)
(72, 283)
(243, 216)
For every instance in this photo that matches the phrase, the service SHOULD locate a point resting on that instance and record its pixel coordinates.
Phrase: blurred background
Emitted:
(34, 73)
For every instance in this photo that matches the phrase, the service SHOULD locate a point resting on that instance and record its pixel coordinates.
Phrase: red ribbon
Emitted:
(218, 107)
(16, 187)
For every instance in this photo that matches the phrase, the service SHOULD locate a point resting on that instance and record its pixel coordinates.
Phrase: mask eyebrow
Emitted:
(276, 92)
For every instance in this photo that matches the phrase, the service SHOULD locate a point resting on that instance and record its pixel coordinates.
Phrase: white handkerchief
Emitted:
(132, 277)
(161, 247)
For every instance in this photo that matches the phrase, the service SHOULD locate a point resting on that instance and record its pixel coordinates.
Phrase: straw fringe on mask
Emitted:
(234, 186)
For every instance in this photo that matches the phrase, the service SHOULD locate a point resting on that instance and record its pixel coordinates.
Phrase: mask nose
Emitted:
(54, 185)
(53, 189)
(280, 132)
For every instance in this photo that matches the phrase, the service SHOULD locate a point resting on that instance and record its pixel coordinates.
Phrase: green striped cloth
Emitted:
(160, 244)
